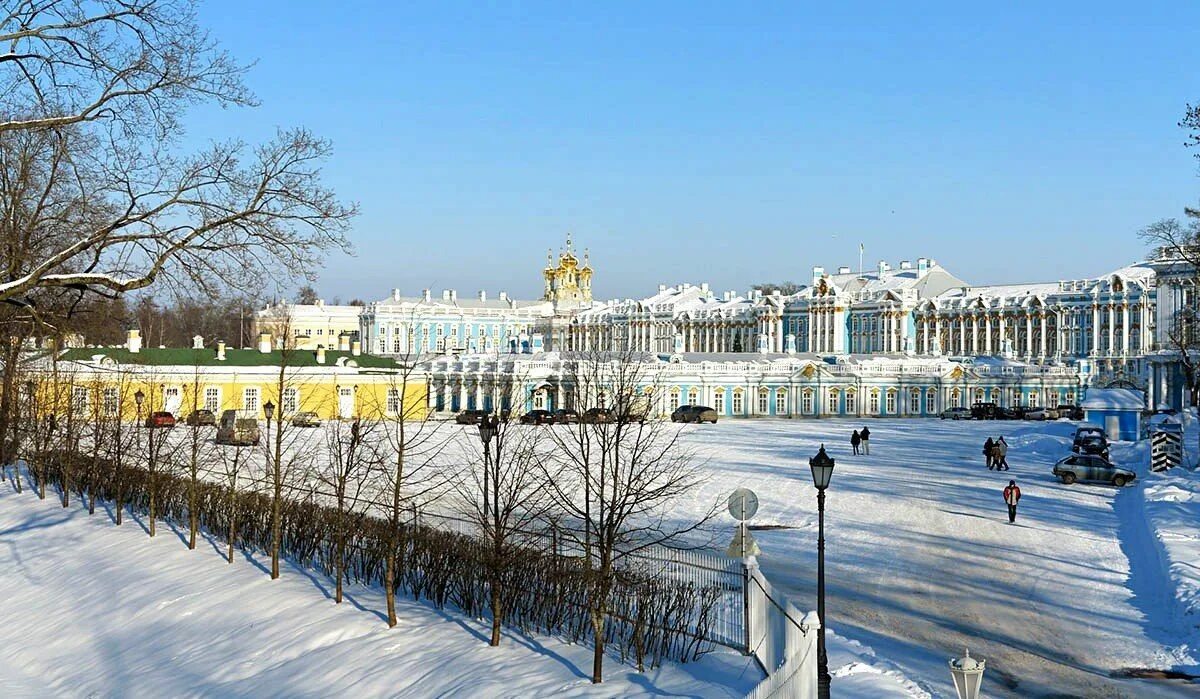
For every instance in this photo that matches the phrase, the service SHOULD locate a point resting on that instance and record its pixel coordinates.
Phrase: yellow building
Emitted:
(310, 325)
(331, 383)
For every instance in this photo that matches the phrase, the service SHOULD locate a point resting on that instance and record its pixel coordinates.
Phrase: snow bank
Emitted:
(92, 609)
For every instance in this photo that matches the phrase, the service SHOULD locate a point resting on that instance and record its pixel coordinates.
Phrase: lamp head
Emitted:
(822, 469)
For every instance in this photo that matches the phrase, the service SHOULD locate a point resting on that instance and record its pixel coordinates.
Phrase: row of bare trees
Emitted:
(595, 495)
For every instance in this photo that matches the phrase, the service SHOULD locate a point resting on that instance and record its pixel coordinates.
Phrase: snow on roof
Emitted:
(1113, 399)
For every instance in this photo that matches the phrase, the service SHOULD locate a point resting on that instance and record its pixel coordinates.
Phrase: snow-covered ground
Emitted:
(921, 560)
(91, 609)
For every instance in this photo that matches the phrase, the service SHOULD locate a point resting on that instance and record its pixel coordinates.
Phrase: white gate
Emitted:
(345, 402)
(783, 640)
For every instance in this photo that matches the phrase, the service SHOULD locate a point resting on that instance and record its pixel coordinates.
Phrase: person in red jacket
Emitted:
(1012, 495)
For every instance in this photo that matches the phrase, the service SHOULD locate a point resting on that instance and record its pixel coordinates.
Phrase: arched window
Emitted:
(719, 401)
(806, 401)
(873, 404)
(851, 401)
(979, 395)
(931, 401)
(996, 396)
(955, 398)
(833, 401)
(674, 401)
(738, 407)
(891, 401)
(693, 396)
(1033, 399)
(914, 401)
(764, 399)
(781, 401)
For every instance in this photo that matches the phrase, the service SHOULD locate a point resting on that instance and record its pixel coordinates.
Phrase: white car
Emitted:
(956, 414)
(1039, 414)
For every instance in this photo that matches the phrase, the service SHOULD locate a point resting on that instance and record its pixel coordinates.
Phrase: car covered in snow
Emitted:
(1091, 467)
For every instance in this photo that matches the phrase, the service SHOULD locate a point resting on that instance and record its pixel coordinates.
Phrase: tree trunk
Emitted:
(233, 515)
(341, 563)
(389, 584)
(598, 652)
(276, 532)
(193, 516)
(497, 611)
(151, 514)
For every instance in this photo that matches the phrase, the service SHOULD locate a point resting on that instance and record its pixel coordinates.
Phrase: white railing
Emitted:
(783, 640)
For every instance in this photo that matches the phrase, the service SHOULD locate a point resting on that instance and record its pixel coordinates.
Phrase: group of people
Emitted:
(996, 453)
(860, 441)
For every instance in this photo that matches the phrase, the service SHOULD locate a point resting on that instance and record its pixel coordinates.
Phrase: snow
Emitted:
(1113, 399)
(922, 563)
(92, 609)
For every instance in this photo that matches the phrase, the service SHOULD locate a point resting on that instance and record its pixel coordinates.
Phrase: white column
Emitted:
(1112, 329)
(1125, 327)
(1042, 321)
(1095, 329)
(987, 334)
(974, 332)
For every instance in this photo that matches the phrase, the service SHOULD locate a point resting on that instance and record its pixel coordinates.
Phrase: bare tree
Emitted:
(234, 463)
(620, 470)
(412, 446)
(502, 491)
(1179, 243)
(102, 85)
(345, 476)
(196, 454)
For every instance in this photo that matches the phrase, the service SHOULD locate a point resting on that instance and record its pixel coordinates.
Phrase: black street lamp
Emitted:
(488, 427)
(822, 472)
(269, 410)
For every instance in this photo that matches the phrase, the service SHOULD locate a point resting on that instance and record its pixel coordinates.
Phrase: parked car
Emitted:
(1071, 412)
(597, 416)
(1088, 433)
(160, 418)
(538, 417)
(470, 417)
(956, 414)
(306, 419)
(1090, 467)
(566, 417)
(238, 429)
(202, 418)
(694, 413)
(984, 411)
(1039, 414)
(1008, 413)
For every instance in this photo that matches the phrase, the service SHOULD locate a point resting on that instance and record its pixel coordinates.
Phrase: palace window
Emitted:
(693, 396)
(914, 401)
(674, 400)
(873, 403)
(112, 402)
(851, 402)
(1052, 399)
(780, 401)
(930, 402)
(212, 398)
(764, 396)
(250, 397)
(79, 400)
(955, 398)
(891, 402)
(719, 401)
(979, 395)
(832, 399)
(737, 402)
(806, 402)
(1033, 399)
(291, 400)
(1069, 398)
(393, 401)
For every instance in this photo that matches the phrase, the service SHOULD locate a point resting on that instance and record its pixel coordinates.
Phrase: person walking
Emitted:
(987, 451)
(1012, 495)
(865, 435)
(1003, 465)
(855, 440)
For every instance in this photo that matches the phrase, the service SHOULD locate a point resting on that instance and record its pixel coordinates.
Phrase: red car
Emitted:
(160, 419)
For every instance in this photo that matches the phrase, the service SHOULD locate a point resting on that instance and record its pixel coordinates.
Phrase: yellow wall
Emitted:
(317, 393)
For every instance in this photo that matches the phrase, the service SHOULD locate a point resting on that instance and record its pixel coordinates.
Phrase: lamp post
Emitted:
(488, 427)
(269, 411)
(967, 673)
(822, 471)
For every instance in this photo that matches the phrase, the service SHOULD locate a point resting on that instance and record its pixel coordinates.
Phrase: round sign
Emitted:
(743, 503)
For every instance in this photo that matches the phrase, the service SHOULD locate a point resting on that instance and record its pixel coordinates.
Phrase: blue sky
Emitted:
(729, 143)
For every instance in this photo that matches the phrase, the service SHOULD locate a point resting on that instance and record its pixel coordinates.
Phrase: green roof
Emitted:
(153, 356)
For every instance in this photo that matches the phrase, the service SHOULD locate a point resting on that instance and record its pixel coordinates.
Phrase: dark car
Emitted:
(202, 418)
(1070, 412)
(1009, 413)
(538, 417)
(470, 417)
(1089, 435)
(1090, 467)
(984, 411)
(566, 417)
(694, 413)
(597, 416)
(160, 418)
(238, 428)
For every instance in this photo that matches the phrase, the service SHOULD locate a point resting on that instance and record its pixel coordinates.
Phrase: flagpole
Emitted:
(860, 259)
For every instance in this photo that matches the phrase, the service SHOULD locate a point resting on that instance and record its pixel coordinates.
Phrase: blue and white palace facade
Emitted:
(910, 339)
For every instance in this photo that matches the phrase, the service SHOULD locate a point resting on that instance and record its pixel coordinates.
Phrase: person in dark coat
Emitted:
(865, 435)
(987, 452)
(1012, 495)
(855, 440)
(1003, 447)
